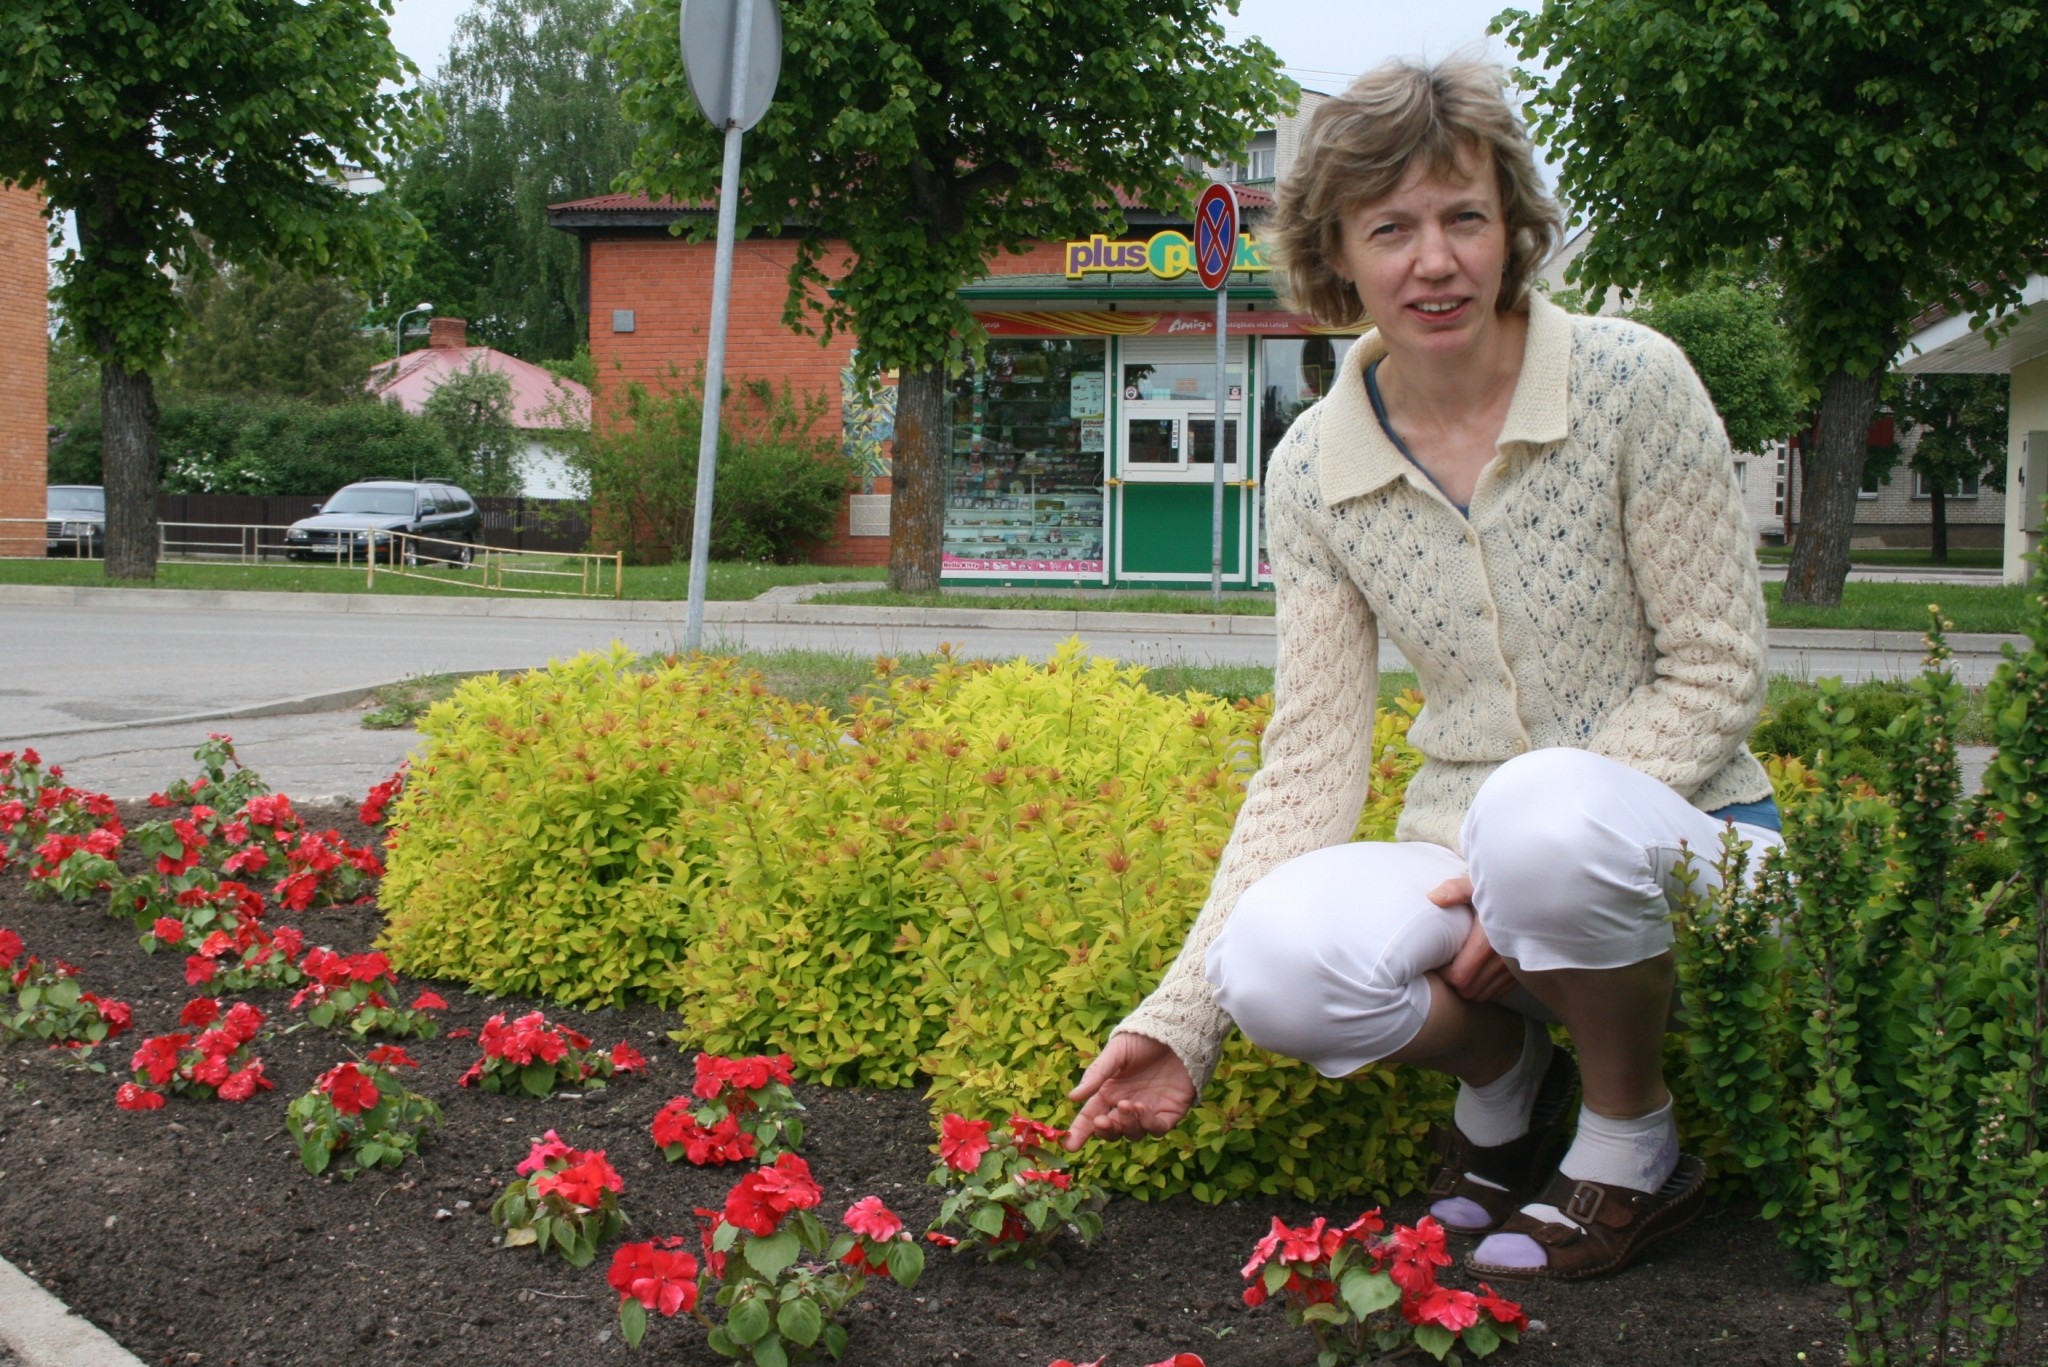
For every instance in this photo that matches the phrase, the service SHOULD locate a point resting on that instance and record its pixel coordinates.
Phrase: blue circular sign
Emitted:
(1215, 234)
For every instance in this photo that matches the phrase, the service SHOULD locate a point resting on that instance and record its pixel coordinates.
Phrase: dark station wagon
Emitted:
(367, 517)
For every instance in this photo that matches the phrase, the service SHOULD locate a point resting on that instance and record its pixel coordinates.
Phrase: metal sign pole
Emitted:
(1216, 472)
(714, 356)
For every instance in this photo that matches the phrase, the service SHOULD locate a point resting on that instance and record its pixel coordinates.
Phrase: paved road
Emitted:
(120, 687)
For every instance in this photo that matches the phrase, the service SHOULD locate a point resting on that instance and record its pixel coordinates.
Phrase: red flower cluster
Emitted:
(721, 1142)
(215, 1063)
(1409, 1257)
(530, 1039)
(382, 795)
(656, 1274)
(511, 1050)
(764, 1196)
(350, 1089)
(332, 973)
(582, 1183)
(716, 1076)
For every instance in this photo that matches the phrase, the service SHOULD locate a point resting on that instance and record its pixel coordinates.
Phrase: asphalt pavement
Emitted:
(120, 685)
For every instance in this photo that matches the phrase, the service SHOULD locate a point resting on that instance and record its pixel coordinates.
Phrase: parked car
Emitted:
(76, 515)
(368, 516)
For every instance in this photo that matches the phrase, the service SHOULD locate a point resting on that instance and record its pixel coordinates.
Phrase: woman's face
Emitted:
(1428, 259)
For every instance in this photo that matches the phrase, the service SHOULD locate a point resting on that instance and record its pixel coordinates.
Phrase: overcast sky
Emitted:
(1325, 43)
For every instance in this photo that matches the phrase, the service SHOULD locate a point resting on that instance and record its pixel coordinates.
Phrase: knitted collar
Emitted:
(1356, 457)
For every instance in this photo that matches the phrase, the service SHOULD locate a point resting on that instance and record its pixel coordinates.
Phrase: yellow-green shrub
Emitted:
(973, 877)
(540, 845)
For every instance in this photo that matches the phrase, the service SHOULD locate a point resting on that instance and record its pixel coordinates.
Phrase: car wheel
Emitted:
(465, 555)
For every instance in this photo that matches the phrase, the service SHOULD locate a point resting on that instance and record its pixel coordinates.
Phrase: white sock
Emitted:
(1499, 1111)
(1639, 1154)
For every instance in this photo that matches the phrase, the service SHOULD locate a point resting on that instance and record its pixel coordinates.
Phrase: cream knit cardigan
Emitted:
(1602, 594)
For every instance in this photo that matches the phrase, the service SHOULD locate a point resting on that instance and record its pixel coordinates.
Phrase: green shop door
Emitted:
(1166, 459)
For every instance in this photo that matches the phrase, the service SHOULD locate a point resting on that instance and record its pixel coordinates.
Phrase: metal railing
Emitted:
(492, 569)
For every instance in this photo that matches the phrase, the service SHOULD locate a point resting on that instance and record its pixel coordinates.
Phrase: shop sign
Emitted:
(1168, 255)
(1093, 323)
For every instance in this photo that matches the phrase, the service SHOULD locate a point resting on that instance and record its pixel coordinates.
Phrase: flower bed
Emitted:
(193, 1234)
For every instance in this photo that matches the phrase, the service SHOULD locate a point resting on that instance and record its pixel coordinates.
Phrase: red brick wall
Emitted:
(667, 284)
(24, 367)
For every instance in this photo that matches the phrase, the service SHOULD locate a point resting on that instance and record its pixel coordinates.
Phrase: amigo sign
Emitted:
(1168, 255)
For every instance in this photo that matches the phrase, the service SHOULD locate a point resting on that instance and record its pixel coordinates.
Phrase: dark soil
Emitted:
(192, 1235)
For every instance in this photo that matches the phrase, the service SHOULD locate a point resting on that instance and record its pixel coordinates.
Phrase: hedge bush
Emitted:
(968, 879)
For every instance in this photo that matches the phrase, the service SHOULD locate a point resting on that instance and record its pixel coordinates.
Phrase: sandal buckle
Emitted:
(1585, 1202)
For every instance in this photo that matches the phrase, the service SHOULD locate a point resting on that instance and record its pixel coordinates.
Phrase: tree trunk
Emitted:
(128, 408)
(917, 501)
(1939, 526)
(1827, 504)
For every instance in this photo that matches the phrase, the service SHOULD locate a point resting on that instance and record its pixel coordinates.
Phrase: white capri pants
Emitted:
(1571, 857)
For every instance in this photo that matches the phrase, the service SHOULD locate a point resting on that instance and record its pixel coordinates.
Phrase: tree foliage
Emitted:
(533, 117)
(473, 409)
(1963, 422)
(264, 331)
(1733, 338)
(1883, 158)
(921, 139)
(162, 123)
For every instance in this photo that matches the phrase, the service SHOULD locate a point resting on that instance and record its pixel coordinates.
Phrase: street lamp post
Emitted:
(423, 308)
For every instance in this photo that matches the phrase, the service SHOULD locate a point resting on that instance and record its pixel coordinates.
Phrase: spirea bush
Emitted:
(968, 879)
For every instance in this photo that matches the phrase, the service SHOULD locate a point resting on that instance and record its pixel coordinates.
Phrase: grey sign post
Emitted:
(732, 53)
(1215, 254)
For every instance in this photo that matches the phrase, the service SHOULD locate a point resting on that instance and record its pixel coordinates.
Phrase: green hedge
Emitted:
(967, 881)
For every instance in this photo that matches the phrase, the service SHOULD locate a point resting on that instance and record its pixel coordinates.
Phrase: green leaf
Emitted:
(1479, 1339)
(988, 1219)
(537, 1078)
(800, 1322)
(1366, 1292)
(632, 1321)
(770, 1353)
(906, 1262)
(748, 1321)
(770, 1255)
(1434, 1339)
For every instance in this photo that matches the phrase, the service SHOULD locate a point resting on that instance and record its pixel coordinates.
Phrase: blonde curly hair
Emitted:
(1360, 145)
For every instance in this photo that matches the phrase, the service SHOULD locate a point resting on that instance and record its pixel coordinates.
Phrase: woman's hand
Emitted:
(1136, 1086)
(1475, 972)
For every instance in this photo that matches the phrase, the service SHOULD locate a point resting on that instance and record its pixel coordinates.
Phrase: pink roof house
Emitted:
(541, 404)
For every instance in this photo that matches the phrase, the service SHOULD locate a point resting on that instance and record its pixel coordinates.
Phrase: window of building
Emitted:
(1966, 487)
(1024, 473)
(1782, 462)
(1260, 164)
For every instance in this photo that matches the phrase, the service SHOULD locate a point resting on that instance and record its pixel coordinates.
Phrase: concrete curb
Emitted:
(42, 1331)
(821, 614)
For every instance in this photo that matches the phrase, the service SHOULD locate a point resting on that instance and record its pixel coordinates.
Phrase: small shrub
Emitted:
(363, 1113)
(564, 1199)
(1010, 1194)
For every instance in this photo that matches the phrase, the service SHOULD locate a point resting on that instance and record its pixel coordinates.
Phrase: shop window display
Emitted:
(1024, 492)
(1294, 373)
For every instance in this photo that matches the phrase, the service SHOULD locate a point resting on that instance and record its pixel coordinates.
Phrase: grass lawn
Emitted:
(1869, 607)
(1879, 607)
(1959, 557)
(726, 582)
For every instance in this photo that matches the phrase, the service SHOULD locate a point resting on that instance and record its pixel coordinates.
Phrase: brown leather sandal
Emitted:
(1520, 1165)
(1615, 1224)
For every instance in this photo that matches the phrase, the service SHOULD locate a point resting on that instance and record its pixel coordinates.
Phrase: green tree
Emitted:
(1731, 334)
(473, 409)
(264, 331)
(922, 138)
(1881, 158)
(532, 118)
(1962, 421)
(160, 124)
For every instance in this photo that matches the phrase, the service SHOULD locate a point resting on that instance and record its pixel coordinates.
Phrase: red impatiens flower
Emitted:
(117, 1015)
(200, 1011)
(130, 1097)
(627, 1059)
(168, 929)
(158, 1057)
(242, 1085)
(429, 1001)
(10, 948)
(962, 1142)
(1503, 1311)
(658, 1274)
(942, 1240)
(765, 1195)
(870, 1219)
(199, 969)
(583, 1183)
(349, 1089)
(1444, 1306)
(1416, 1255)
(544, 1152)
(1030, 1134)
(1060, 1180)
(241, 1023)
(392, 1056)
(723, 1142)
(1362, 1230)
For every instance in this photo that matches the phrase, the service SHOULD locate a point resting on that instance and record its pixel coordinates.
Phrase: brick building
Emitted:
(24, 370)
(1083, 448)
